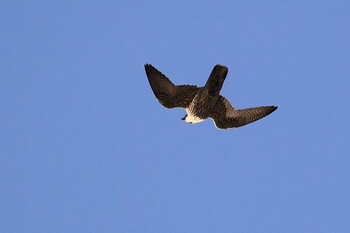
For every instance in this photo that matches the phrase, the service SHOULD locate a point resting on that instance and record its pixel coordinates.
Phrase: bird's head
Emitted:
(185, 118)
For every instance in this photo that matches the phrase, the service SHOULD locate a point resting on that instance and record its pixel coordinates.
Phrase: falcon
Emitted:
(204, 102)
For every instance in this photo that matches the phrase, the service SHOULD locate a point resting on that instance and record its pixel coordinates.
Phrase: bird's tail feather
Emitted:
(216, 80)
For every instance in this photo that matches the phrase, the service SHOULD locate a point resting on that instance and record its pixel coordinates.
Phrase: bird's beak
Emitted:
(184, 117)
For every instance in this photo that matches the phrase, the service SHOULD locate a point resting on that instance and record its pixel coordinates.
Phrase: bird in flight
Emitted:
(203, 102)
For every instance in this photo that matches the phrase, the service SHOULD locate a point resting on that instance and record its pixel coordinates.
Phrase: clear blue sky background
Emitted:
(86, 147)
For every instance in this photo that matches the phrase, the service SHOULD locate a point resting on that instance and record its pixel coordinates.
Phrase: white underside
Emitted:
(192, 119)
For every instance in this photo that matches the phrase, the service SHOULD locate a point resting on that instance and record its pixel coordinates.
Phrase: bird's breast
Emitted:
(191, 118)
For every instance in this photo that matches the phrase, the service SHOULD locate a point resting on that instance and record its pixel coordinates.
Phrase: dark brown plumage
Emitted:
(168, 94)
(226, 116)
(203, 102)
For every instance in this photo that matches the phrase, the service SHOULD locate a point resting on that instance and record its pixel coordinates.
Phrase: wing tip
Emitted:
(147, 66)
(273, 108)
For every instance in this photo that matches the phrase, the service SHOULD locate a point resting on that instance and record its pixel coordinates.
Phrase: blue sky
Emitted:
(86, 147)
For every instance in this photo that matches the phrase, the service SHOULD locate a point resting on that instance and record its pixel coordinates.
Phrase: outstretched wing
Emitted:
(168, 94)
(226, 116)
